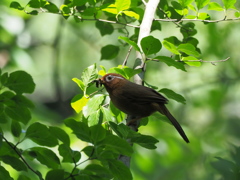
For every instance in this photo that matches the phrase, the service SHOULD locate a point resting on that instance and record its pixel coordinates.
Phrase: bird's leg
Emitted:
(133, 123)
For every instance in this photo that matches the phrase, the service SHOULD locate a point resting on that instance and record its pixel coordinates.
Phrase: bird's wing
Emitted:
(149, 95)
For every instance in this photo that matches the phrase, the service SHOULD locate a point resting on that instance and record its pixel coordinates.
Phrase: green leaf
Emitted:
(119, 170)
(57, 174)
(109, 52)
(237, 14)
(97, 171)
(7, 150)
(23, 177)
(16, 128)
(20, 82)
(41, 135)
(145, 141)
(203, 16)
(118, 145)
(78, 102)
(44, 156)
(89, 74)
(51, 7)
(150, 45)
(115, 128)
(4, 78)
(93, 105)
(111, 9)
(172, 95)
(185, 3)
(229, 4)
(22, 101)
(89, 151)
(188, 61)
(79, 3)
(66, 11)
(60, 134)
(132, 43)
(3, 117)
(18, 113)
(202, 3)
(95, 118)
(122, 5)
(79, 83)
(119, 115)
(16, 5)
(189, 49)
(34, 12)
(104, 28)
(68, 154)
(171, 47)
(98, 133)
(107, 115)
(171, 62)
(215, 6)
(80, 129)
(34, 3)
(5, 174)
(131, 14)
(14, 162)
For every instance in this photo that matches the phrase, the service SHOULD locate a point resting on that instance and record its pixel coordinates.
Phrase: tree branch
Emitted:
(145, 29)
(127, 56)
(20, 156)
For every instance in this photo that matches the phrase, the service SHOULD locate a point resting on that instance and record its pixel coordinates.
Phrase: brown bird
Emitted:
(136, 100)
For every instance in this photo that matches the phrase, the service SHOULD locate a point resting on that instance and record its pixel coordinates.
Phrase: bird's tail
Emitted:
(163, 110)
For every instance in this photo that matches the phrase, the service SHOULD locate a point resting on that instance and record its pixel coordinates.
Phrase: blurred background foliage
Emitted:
(54, 50)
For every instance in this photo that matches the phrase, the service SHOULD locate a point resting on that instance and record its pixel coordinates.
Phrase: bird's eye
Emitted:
(109, 78)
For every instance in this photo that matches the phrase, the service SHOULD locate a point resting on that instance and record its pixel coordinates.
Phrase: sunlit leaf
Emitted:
(171, 47)
(215, 6)
(132, 14)
(132, 43)
(122, 5)
(78, 102)
(5, 174)
(189, 49)
(229, 4)
(192, 61)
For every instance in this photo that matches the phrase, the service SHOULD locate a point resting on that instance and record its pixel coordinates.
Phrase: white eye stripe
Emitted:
(111, 77)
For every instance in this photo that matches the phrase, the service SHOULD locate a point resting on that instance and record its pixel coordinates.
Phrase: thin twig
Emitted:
(126, 59)
(20, 156)
(200, 20)
(107, 21)
(198, 60)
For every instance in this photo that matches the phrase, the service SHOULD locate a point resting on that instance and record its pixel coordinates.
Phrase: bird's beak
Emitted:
(99, 82)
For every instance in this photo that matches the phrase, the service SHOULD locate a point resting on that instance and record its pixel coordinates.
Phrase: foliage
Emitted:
(98, 124)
